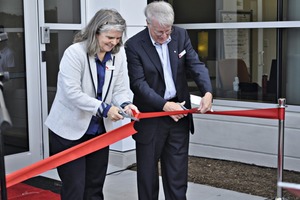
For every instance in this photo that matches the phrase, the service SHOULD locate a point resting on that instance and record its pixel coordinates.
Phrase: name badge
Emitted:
(182, 54)
(110, 67)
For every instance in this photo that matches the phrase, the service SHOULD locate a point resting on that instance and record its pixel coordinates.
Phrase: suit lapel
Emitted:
(151, 52)
(108, 77)
(107, 81)
(93, 72)
(172, 46)
(154, 57)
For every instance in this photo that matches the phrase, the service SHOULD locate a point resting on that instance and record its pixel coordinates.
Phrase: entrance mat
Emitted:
(23, 191)
(44, 183)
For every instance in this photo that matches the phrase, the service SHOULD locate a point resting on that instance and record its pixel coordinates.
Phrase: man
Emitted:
(159, 57)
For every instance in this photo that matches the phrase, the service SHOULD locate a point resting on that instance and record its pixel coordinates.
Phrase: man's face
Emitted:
(159, 33)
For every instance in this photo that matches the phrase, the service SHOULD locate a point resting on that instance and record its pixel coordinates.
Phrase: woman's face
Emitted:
(108, 40)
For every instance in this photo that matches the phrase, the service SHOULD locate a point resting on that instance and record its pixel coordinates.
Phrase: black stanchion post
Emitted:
(280, 156)
(2, 168)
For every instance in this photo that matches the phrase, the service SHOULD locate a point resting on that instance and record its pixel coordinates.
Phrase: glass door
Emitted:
(19, 84)
(59, 22)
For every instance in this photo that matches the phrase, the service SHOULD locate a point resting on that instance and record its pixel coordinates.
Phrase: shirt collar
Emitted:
(107, 57)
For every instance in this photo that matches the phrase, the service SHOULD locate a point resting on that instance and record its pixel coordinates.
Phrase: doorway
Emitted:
(20, 103)
(59, 22)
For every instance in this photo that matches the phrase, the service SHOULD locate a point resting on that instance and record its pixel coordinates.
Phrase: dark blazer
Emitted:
(147, 81)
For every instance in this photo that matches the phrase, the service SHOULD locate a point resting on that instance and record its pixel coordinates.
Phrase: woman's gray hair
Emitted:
(161, 11)
(104, 20)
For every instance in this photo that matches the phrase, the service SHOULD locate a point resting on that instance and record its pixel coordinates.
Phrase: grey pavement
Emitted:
(122, 186)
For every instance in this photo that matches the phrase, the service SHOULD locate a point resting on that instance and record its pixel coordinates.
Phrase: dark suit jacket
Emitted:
(147, 81)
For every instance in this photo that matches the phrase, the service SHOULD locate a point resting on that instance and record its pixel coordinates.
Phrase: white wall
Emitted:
(247, 140)
(92, 6)
(125, 7)
(135, 19)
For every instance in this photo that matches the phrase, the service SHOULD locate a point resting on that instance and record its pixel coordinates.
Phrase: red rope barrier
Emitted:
(268, 113)
(116, 135)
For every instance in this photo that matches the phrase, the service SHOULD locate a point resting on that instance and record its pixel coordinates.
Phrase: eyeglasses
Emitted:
(161, 33)
(118, 24)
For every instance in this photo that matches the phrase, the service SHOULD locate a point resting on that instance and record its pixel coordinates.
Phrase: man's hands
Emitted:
(172, 106)
(206, 103)
(131, 109)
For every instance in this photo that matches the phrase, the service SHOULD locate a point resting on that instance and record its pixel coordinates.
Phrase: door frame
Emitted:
(32, 54)
(43, 73)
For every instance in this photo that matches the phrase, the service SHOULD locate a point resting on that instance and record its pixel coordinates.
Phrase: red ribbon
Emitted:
(70, 154)
(268, 113)
(115, 135)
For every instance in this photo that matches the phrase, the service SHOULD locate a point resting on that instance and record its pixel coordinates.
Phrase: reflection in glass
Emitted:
(66, 11)
(203, 11)
(13, 93)
(60, 40)
(291, 53)
(245, 55)
(203, 44)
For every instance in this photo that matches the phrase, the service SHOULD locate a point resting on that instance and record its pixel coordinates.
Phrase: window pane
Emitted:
(60, 41)
(13, 78)
(249, 54)
(290, 65)
(66, 11)
(203, 11)
(291, 10)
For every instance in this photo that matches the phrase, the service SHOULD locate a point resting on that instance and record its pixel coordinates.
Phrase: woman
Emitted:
(90, 92)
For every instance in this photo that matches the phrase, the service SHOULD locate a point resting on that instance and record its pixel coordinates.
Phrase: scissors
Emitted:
(121, 112)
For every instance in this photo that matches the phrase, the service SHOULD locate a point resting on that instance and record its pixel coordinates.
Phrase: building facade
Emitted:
(254, 40)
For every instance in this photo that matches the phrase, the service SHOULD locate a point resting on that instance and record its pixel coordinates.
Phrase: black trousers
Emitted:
(170, 147)
(83, 178)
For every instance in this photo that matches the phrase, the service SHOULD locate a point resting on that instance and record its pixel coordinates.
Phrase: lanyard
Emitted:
(93, 79)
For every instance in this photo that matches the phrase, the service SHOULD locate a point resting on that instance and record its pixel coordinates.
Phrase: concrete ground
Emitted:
(122, 186)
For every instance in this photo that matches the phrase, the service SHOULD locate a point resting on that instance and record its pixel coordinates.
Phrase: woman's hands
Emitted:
(114, 114)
